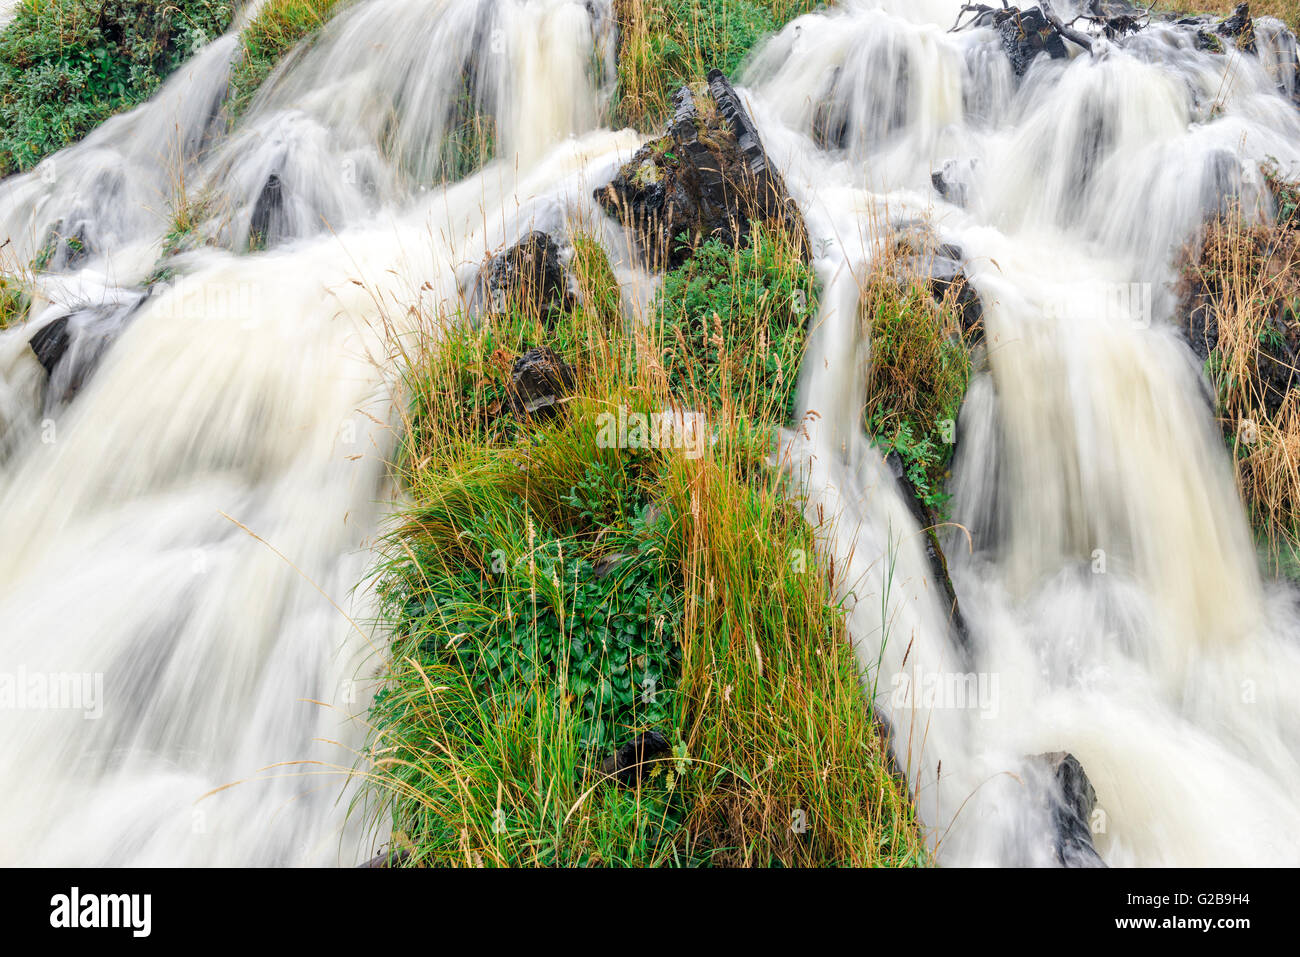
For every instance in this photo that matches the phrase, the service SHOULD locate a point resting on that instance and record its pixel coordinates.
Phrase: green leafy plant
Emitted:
(734, 322)
(68, 65)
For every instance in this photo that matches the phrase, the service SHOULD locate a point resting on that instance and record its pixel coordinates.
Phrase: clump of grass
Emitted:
(1287, 11)
(278, 27)
(734, 322)
(552, 594)
(15, 300)
(665, 44)
(920, 368)
(68, 65)
(1247, 274)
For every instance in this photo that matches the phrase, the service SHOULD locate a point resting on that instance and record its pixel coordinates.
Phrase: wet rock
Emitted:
(707, 177)
(265, 227)
(1073, 802)
(51, 343)
(942, 267)
(952, 182)
(1240, 27)
(928, 522)
(1025, 34)
(539, 381)
(528, 276)
(632, 762)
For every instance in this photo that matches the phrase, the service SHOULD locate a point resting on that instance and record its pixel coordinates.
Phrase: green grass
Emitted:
(550, 595)
(920, 368)
(666, 43)
(15, 300)
(68, 65)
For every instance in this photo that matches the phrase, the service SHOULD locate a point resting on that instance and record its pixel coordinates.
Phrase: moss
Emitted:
(279, 26)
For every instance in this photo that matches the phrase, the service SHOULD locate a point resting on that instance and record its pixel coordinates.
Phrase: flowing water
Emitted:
(186, 506)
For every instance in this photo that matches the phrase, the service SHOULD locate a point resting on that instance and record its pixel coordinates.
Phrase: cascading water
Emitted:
(1112, 592)
(1110, 589)
(247, 391)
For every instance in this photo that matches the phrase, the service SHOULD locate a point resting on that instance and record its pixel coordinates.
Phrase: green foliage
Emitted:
(666, 44)
(734, 324)
(68, 65)
(920, 367)
(15, 301)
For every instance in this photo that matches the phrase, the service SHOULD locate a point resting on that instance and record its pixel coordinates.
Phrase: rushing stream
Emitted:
(185, 508)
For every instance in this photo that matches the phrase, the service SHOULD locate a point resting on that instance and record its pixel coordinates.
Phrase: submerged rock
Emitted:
(528, 276)
(928, 522)
(1073, 802)
(265, 227)
(539, 381)
(707, 177)
(952, 181)
(51, 342)
(632, 762)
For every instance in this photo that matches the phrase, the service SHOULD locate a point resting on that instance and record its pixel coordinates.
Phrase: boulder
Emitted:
(707, 177)
(1072, 802)
(528, 276)
(539, 381)
(632, 762)
(265, 227)
(51, 342)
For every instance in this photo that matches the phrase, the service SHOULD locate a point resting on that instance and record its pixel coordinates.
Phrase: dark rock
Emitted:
(539, 381)
(51, 342)
(632, 762)
(528, 276)
(707, 177)
(947, 279)
(952, 182)
(928, 522)
(1240, 27)
(1025, 34)
(266, 228)
(1073, 801)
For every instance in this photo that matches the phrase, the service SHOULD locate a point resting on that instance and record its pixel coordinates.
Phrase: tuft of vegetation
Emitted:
(734, 322)
(15, 301)
(559, 588)
(278, 27)
(68, 65)
(1243, 286)
(1288, 11)
(920, 368)
(665, 44)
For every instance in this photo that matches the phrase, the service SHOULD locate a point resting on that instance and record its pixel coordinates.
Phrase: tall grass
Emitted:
(540, 573)
(665, 43)
(1250, 273)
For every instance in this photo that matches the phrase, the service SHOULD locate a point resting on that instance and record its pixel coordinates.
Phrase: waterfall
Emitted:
(1111, 587)
(184, 529)
(187, 500)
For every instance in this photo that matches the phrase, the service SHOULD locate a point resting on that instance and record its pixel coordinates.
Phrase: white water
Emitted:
(1112, 592)
(256, 387)
(248, 390)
